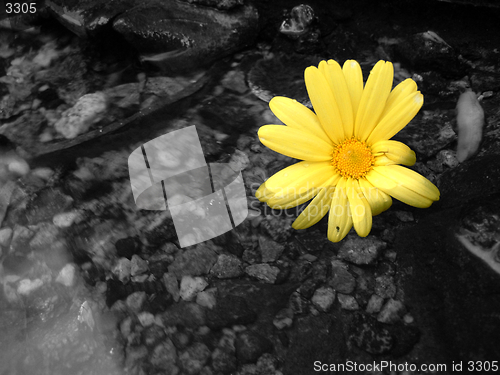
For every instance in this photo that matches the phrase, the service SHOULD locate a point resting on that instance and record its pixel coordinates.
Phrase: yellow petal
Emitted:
(404, 184)
(398, 117)
(360, 208)
(263, 194)
(378, 200)
(316, 210)
(324, 104)
(354, 80)
(300, 178)
(405, 88)
(395, 151)
(374, 98)
(336, 80)
(297, 116)
(295, 143)
(339, 220)
(283, 202)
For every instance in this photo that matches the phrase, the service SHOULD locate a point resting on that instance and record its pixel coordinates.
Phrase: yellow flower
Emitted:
(349, 164)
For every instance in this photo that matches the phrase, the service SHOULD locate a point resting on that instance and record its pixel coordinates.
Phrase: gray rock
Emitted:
(164, 355)
(404, 216)
(20, 238)
(323, 298)
(278, 228)
(190, 286)
(193, 262)
(429, 52)
(45, 236)
(284, 318)
(228, 311)
(374, 304)
(270, 250)
(385, 287)
(235, 80)
(263, 272)
(223, 361)
(391, 312)
(138, 266)
(250, 346)
(227, 266)
(136, 301)
(188, 314)
(172, 285)
(122, 270)
(194, 358)
(298, 303)
(347, 302)
(342, 280)
(5, 236)
(46, 204)
(360, 250)
(371, 337)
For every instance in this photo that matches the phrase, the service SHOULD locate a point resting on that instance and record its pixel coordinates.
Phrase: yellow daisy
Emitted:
(349, 167)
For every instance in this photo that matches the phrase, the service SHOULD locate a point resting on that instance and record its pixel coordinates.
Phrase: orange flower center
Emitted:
(353, 158)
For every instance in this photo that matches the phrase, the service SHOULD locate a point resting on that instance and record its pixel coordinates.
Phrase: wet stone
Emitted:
(250, 346)
(138, 265)
(227, 266)
(323, 298)
(228, 311)
(223, 361)
(263, 272)
(270, 250)
(391, 312)
(188, 314)
(193, 262)
(361, 251)
(385, 287)
(347, 302)
(194, 358)
(342, 280)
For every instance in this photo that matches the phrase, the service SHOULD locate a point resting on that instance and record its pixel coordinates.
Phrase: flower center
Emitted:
(353, 158)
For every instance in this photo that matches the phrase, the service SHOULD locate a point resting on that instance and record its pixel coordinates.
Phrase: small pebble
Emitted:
(374, 304)
(391, 312)
(146, 318)
(190, 286)
(26, 286)
(67, 275)
(323, 298)
(65, 219)
(347, 302)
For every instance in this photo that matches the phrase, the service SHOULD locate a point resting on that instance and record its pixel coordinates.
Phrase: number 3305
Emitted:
(17, 8)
